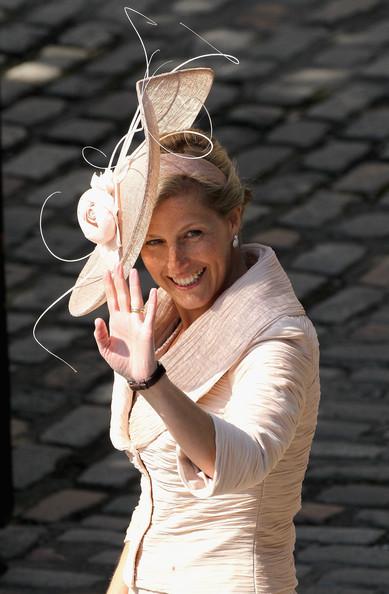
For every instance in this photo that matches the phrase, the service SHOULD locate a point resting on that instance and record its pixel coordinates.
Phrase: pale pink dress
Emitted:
(252, 362)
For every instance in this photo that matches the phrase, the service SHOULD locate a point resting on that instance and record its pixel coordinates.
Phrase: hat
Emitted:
(115, 213)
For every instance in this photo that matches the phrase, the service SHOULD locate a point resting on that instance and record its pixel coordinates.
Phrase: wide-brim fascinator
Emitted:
(115, 212)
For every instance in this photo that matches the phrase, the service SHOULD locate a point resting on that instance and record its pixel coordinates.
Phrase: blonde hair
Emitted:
(221, 198)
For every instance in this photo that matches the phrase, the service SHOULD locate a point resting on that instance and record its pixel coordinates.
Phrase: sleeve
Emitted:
(268, 388)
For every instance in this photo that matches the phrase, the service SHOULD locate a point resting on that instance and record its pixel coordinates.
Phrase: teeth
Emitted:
(185, 282)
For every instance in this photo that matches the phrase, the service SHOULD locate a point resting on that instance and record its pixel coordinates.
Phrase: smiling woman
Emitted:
(216, 385)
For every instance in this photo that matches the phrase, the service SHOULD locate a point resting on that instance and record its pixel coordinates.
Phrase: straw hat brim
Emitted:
(168, 103)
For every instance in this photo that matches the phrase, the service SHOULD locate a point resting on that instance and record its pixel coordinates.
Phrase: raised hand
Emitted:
(128, 346)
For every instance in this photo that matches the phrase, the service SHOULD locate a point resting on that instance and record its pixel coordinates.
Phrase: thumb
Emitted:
(101, 333)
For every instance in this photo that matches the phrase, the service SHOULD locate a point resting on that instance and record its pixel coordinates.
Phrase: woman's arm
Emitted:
(191, 427)
(129, 349)
(117, 585)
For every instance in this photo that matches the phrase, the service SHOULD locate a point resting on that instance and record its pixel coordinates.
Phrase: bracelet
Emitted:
(149, 381)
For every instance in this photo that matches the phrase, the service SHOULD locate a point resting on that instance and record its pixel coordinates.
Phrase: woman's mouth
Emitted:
(189, 281)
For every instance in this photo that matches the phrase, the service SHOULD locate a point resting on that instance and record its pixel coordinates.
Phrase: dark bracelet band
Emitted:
(148, 382)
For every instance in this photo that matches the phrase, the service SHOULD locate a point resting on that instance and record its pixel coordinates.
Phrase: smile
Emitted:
(188, 281)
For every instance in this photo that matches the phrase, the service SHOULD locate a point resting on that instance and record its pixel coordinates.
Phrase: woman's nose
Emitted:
(176, 258)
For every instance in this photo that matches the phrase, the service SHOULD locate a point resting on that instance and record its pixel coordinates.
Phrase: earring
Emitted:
(235, 241)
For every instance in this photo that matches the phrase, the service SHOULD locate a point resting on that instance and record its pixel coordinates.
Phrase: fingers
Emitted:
(136, 296)
(101, 334)
(151, 308)
(110, 292)
(121, 286)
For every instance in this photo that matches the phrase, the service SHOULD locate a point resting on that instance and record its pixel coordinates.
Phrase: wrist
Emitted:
(146, 382)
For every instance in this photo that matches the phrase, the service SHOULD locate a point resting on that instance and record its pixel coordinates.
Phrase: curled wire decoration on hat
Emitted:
(113, 174)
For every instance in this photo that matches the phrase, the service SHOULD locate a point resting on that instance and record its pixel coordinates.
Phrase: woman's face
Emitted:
(188, 251)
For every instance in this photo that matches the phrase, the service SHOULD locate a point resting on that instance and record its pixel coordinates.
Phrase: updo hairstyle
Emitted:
(220, 198)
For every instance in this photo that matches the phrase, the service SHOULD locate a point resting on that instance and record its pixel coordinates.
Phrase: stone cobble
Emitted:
(305, 116)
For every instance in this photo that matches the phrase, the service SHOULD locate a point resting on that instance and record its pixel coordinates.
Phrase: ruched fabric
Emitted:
(233, 533)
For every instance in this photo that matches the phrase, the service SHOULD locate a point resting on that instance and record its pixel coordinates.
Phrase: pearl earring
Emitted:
(235, 241)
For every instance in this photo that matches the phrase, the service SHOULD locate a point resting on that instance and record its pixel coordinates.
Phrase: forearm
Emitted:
(117, 585)
(190, 425)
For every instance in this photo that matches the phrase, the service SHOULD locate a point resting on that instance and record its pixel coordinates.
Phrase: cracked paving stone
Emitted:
(16, 540)
(322, 207)
(19, 221)
(11, 136)
(92, 535)
(76, 429)
(379, 273)
(359, 576)
(317, 513)
(233, 39)
(32, 462)
(25, 350)
(119, 105)
(371, 125)
(330, 258)
(63, 56)
(286, 189)
(302, 134)
(338, 534)
(34, 110)
(351, 555)
(89, 35)
(345, 102)
(220, 97)
(335, 156)
(76, 86)
(112, 471)
(247, 70)
(345, 304)
(376, 517)
(358, 411)
(374, 473)
(277, 237)
(340, 429)
(342, 55)
(357, 494)
(260, 116)
(341, 9)
(255, 162)
(192, 7)
(80, 131)
(285, 95)
(332, 449)
(379, 68)
(287, 42)
(46, 578)
(236, 138)
(367, 178)
(20, 38)
(365, 226)
(55, 14)
(115, 62)
(33, 73)
(102, 521)
(61, 504)
(39, 161)
(304, 284)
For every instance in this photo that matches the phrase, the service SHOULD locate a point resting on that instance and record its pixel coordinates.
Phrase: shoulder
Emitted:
(288, 345)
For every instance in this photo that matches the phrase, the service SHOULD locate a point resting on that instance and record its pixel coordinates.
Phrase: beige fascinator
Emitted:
(115, 212)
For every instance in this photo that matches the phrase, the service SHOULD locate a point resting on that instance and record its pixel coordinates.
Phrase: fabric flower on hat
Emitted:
(97, 210)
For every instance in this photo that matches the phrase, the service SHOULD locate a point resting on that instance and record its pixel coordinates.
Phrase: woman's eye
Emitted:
(153, 242)
(194, 233)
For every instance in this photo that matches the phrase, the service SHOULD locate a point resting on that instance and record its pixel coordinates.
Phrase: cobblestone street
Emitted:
(306, 115)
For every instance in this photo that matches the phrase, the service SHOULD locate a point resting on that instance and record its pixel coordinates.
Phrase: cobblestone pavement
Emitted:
(307, 117)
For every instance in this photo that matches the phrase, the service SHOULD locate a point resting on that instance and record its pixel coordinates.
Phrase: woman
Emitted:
(222, 437)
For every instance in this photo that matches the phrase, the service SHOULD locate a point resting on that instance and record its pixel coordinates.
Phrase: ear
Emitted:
(234, 218)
